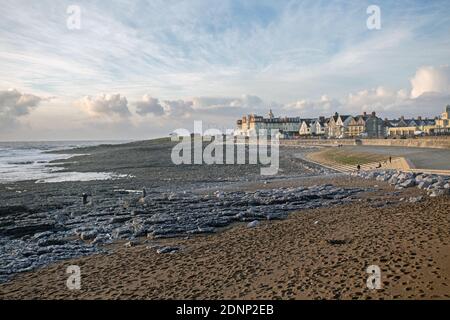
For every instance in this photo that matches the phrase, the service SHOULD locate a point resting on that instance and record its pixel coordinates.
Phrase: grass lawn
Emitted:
(342, 156)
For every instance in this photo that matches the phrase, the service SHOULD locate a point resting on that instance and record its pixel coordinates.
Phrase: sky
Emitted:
(140, 69)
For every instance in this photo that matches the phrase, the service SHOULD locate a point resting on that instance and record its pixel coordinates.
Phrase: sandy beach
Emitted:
(315, 253)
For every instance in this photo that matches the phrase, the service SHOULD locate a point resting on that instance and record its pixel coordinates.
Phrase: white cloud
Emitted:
(177, 108)
(16, 104)
(105, 105)
(149, 105)
(314, 108)
(431, 79)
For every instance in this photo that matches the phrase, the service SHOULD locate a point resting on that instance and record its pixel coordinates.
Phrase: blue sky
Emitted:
(173, 62)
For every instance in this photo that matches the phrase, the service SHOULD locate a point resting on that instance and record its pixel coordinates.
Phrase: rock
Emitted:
(439, 184)
(120, 219)
(424, 184)
(102, 239)
(27, 228)
(408, 183)
(131, 243)
(121, 233)
(51, 242)
(200, 230)
(393, 180)
(338, 241)
(88, 235)
(415, 199)
(253, 224)
(447, 186)
(431, 180)
(439, 193)
(168, 249)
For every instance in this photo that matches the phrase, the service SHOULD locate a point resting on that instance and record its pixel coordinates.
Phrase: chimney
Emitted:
(402, 118)
(419, 118)
(365, 113)
(374, 114)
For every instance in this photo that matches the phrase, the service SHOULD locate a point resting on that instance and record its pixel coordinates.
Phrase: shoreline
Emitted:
(302, 263)
(219, 183)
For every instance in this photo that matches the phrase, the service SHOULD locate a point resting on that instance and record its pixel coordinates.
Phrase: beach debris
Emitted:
(316, 222)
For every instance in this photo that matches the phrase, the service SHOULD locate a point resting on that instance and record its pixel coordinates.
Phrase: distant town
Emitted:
(339, 126)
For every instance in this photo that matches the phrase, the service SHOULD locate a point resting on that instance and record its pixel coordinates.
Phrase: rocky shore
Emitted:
(434, 185)
(44, 223)
(186, 213)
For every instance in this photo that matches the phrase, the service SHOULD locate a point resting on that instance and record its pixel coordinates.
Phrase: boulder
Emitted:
(415, 199)
(439, 193)
(88, 235)
(439, 184)
(423, 185)
(167, 250)
(102, 239)
(393, 180)
(253, 224)
(408, 183)
(131, 243)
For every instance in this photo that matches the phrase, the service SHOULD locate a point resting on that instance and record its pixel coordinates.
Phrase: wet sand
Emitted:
(314, 254)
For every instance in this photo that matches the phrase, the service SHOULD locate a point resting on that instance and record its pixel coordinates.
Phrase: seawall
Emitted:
(425, 142)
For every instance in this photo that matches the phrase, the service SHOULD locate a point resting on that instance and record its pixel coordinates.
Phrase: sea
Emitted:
(22, 161)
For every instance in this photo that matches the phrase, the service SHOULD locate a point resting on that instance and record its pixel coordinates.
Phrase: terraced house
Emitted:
(345, 126)
(253, 124)
(375, 127)
(410, 127)
(336, 125)
(356, 126)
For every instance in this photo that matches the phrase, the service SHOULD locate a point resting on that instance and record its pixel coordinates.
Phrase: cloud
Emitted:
(431, 79)
(177, 108)
(106, 105)
(149, 105)
(200, 106)
(427, 96)
(314, 108)
(15, 104)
